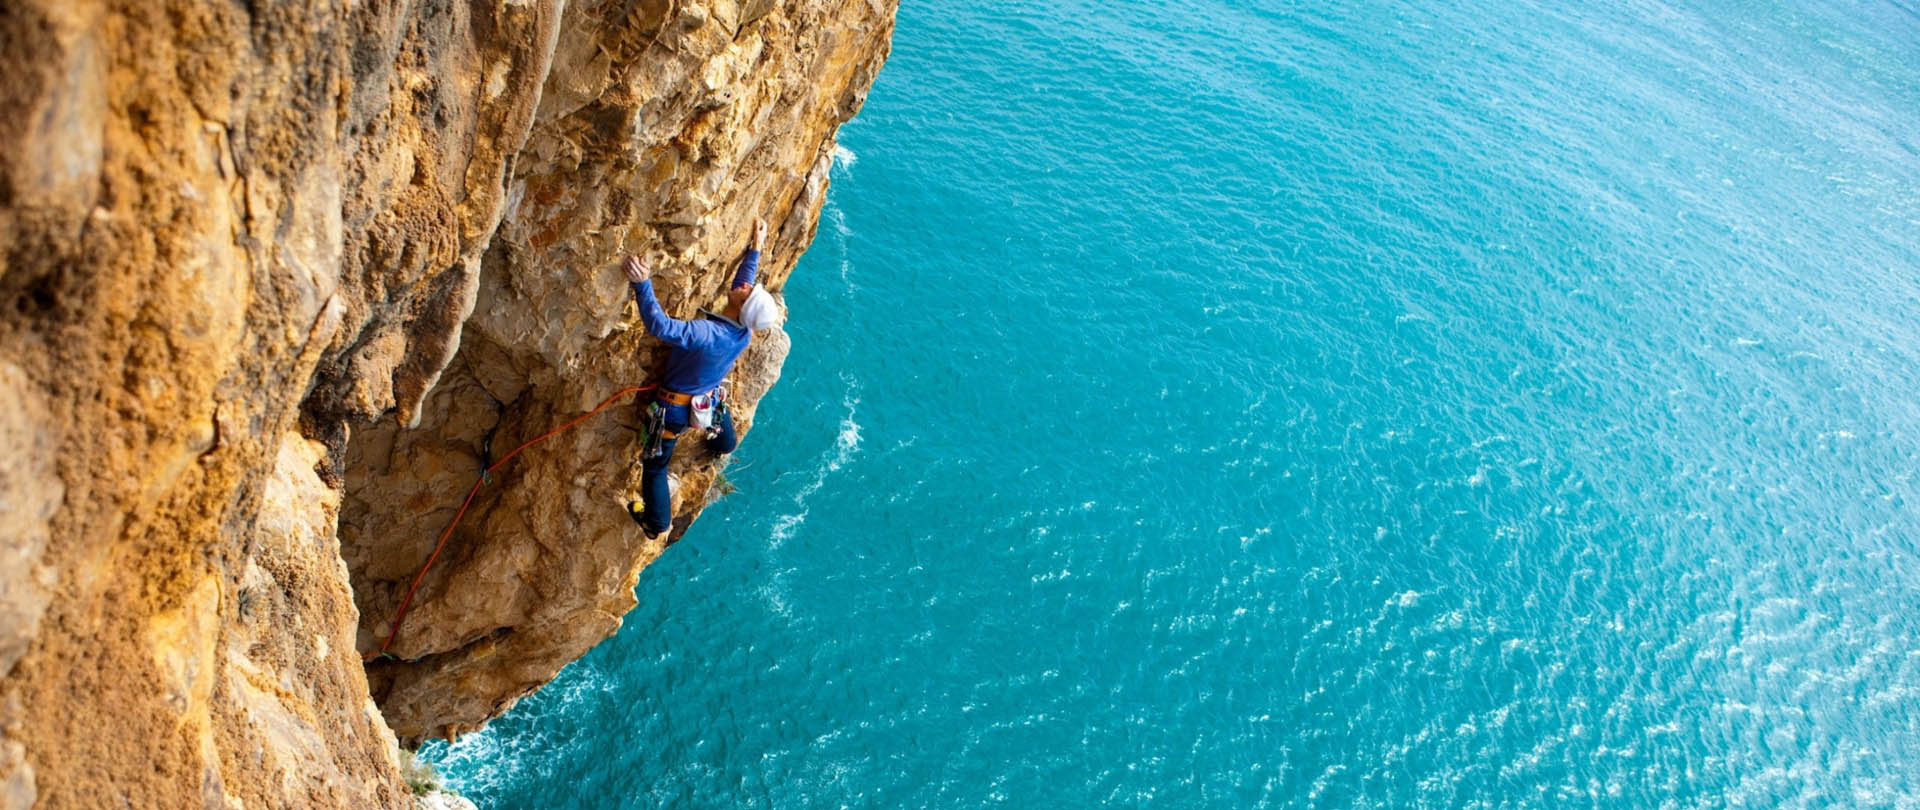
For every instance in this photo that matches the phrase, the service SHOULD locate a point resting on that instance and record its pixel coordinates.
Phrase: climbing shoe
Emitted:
(638, 511)
(637, 508)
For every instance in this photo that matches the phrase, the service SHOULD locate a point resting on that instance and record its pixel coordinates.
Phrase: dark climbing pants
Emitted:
(653, 469)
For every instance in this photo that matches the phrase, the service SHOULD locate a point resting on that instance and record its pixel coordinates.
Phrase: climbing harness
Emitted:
(701, 410)
(406, 601)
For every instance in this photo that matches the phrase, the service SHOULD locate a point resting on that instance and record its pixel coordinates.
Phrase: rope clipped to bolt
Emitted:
(393, 632)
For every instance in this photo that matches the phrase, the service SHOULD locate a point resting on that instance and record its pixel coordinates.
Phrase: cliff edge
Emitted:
(277, 281)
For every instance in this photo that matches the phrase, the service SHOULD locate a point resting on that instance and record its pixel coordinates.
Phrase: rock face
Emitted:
(276, 279)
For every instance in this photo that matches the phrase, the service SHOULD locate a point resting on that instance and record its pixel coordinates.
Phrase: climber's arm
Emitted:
(750, 264)
(659, 324)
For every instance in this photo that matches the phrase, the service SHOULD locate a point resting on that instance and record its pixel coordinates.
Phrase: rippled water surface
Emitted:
(1256, 404)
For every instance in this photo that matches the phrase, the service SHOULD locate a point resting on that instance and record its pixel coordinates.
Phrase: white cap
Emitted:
(760, 311)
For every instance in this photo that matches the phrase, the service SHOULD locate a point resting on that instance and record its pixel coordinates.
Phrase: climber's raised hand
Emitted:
(637, 269)
(759, 234)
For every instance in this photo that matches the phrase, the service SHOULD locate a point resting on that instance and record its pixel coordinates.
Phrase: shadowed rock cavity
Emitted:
(275, 279)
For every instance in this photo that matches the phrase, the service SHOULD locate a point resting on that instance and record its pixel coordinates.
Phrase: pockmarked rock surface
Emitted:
(276, 280)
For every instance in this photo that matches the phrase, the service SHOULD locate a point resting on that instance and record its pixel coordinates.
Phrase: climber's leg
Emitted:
(654, 511)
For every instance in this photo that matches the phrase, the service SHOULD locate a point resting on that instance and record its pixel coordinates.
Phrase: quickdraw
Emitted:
(653, 426)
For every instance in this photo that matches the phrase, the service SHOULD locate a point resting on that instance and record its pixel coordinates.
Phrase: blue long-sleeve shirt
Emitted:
(704, 349)
(749, 266)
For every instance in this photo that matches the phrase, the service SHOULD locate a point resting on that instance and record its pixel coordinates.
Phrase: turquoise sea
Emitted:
(1266, 404)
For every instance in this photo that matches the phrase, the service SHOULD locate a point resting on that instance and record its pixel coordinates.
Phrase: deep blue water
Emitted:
(1255, 404)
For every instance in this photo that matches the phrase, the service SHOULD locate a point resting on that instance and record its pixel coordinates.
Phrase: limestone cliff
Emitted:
(276, 280)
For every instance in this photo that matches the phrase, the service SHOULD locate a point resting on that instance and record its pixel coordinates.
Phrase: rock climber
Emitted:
(691, 392)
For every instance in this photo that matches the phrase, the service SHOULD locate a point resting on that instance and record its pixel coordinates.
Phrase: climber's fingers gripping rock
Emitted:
(637, 269)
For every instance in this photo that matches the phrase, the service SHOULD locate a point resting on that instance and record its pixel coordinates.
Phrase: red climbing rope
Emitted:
(406, 601)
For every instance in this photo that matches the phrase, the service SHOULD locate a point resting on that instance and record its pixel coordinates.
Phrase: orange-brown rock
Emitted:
(275, 278)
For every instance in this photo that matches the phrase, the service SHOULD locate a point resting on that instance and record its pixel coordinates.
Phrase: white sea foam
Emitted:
(841, 234)
(848, 440)
(775, 592)
(840, 227)
(491, 761)
(845, 444)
